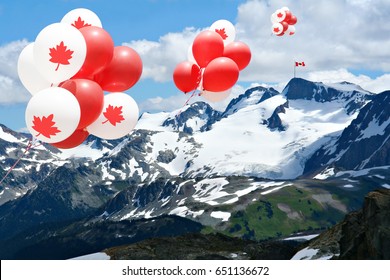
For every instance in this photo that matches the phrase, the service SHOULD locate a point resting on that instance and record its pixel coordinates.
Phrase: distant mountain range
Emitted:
(270, 165)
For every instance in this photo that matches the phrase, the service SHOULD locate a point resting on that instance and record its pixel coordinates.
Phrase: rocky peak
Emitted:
(364, 143)
(352, 95)
(251, 96)
(199, 116)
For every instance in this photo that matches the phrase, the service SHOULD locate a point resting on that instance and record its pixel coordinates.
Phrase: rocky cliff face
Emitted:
(362, 235)
(363, 144)
(366, 234)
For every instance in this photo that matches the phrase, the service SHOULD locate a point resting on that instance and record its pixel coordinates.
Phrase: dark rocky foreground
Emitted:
(198, 246)
(362, 235)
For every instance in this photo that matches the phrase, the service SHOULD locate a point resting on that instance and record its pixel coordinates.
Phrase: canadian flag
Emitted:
(299, 64)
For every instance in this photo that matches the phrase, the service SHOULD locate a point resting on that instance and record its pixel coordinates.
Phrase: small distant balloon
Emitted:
(283, 22)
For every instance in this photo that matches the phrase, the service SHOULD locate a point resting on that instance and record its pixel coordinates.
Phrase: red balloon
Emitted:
(288, 16)
(285, 26)
(122, 72)
(220, 74)
(239, 53)
(293, 20)
(77, 138)
(100, 50)
(207, 46)
(186, 76)
(90, 97)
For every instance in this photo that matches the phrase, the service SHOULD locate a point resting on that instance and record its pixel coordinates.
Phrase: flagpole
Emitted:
(295, 65)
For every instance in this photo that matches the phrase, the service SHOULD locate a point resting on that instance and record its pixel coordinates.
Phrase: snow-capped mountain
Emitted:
(262, 133)
(206, 165)
(363, 144)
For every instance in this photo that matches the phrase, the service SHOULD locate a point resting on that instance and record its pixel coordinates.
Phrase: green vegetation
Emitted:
(282, 213)
(207, 230)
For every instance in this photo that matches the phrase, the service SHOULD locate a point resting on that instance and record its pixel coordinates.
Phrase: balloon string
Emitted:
(29, 146)
(192, 93)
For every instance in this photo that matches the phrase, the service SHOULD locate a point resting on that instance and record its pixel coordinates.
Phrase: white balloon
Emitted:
(81, 17)
(280, 15)
(59, 52)
(274, 18)
(118, 118)
(290, 30)
(52, 114)
(277, 28)
(190, 55)
(285, 8)
(227, 28)
(216, 96)
(30, 77)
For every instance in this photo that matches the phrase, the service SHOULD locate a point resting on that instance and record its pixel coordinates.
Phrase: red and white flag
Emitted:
(299, 64)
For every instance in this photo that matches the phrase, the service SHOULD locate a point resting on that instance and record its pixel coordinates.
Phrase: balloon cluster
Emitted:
(67, 69)
(283, 22)
(214, 62)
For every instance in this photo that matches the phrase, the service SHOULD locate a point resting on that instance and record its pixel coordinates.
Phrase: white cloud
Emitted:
(160, 58)
(158, 104)
(11, 89)
(375, 85)
(331, 36)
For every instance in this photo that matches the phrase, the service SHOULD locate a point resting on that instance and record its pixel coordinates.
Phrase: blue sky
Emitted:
(338, 40)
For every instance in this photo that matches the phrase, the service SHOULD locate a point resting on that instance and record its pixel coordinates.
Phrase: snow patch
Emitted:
(220, 215)
(95, 256)
(8, 137)
(305, 254)
(209, 190)
(325, 174)
(303, 237)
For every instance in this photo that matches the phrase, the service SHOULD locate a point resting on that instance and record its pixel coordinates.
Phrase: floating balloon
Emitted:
(290, 30)
(59, 52)
(239, 52)
(207, 45)
(219, 58)
(100, 50)
(78, 55)
(186, 76)
(123, 71)
(81, 17)
(225, 29)
(216, 96)
(52, 115)
(28, 73)
(278, 29)
(283, 21)
(77, 138)
(220, 74)
(90, 97)
(293, 20)
(118, 118)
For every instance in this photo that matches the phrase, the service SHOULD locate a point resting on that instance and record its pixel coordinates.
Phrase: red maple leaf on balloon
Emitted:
(79, 23)
(45, 126)
(280, 15)
(276, 29)
(113, 115)
(222, 33)
(60, 55)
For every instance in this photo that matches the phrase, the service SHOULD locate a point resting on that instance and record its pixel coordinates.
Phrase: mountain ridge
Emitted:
(220, 169)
